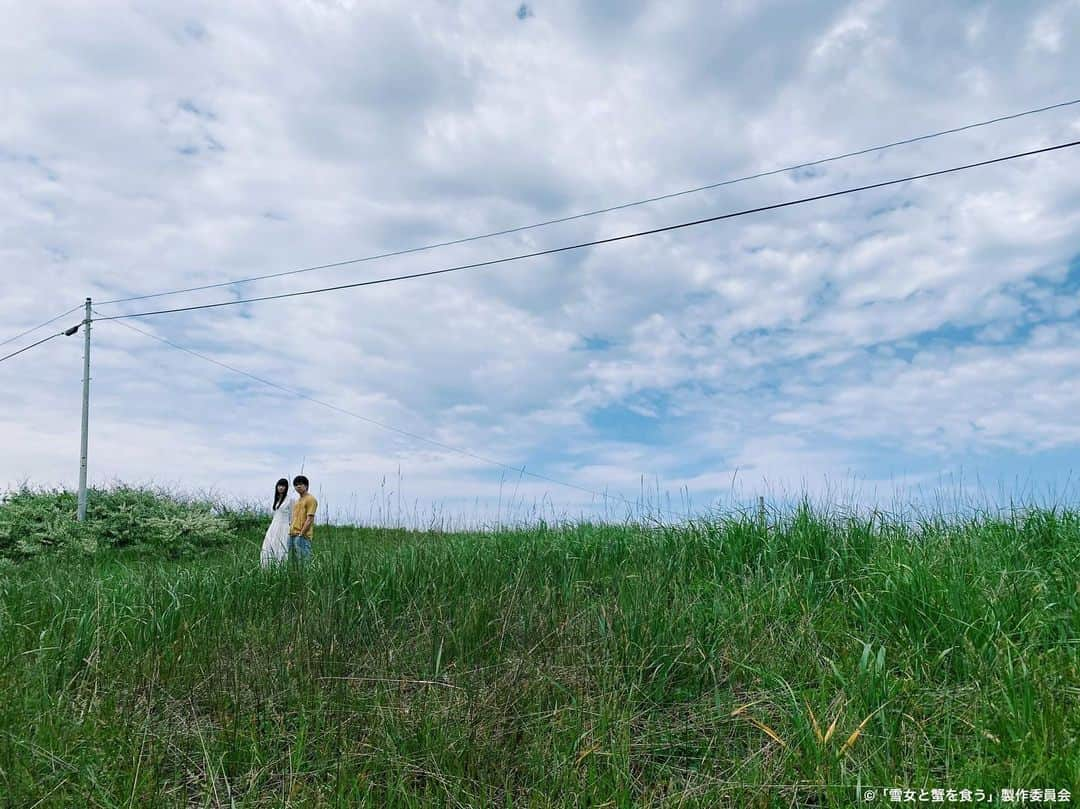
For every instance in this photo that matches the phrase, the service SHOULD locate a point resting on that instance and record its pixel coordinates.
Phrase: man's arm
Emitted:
(309, 521)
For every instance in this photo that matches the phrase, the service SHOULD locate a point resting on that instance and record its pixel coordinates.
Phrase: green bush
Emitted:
(243, 518)
(35, 522)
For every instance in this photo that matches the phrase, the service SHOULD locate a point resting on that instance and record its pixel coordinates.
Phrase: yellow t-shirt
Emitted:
(304, 508)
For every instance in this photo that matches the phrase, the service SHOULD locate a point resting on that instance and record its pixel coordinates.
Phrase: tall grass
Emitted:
(551, 666)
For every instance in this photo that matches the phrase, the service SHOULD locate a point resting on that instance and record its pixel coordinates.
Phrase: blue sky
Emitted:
(902, 345)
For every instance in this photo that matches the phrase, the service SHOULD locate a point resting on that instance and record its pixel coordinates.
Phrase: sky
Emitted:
(912, 345)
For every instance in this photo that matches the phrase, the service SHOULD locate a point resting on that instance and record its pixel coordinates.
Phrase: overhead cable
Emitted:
(597, 212)
(15, 337)
(596, 242)
(32, 345)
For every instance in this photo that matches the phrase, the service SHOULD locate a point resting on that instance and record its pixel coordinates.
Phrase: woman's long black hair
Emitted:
(279, 497)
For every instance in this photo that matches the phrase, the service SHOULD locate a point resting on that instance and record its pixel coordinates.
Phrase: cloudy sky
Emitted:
(918, 341)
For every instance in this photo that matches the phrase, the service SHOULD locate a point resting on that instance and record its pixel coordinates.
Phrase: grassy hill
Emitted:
(720, 663)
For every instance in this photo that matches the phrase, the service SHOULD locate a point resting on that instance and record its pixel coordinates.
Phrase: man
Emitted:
(303, 520)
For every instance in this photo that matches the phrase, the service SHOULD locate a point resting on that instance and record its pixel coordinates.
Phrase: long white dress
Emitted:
(275, 547)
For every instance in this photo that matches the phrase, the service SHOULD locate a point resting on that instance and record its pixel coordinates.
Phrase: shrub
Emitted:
(243, 518)
(35, 522)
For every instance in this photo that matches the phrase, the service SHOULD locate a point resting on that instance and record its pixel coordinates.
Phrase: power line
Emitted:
(598, 211)
(39, 326)
(32, 345)
(516, 469)
(608, 240)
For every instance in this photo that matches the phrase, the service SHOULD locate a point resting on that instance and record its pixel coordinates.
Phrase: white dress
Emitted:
(275, 547)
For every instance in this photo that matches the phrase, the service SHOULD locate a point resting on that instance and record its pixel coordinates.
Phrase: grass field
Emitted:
(720, 663)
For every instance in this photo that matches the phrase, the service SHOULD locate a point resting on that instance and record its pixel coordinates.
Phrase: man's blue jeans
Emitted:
(299, 547)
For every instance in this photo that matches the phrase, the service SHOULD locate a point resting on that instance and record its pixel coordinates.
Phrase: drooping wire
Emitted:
(521, 470)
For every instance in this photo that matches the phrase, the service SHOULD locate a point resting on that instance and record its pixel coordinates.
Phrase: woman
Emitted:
(275, 547)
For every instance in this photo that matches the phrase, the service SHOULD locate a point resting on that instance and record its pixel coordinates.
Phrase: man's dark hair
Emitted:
(296, 481)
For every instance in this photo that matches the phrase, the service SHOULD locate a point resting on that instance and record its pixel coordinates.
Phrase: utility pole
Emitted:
(85, 412)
